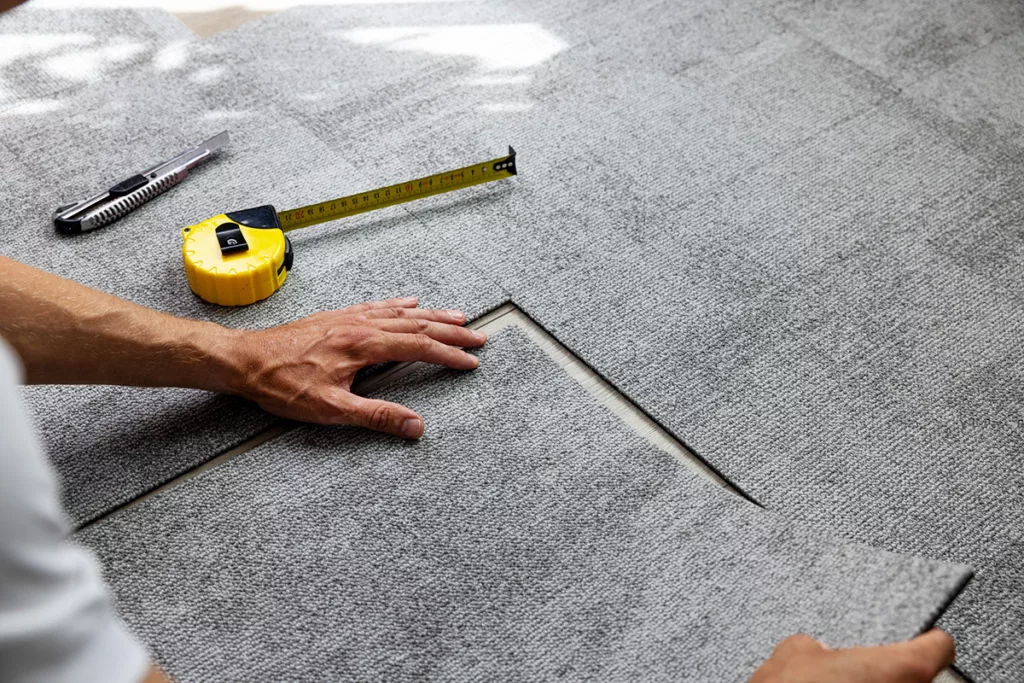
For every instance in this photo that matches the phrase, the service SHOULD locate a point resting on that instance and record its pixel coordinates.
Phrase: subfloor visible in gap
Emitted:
(508, 315)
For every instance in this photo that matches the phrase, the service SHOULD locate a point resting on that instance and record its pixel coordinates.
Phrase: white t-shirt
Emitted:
(56, 620)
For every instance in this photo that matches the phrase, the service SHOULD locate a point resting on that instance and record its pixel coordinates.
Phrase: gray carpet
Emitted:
(528, 536)
(47, 53)
(127, 441)
(737, 217)
(788, 230)
(985, 89)
(903, 42)
(870, 343)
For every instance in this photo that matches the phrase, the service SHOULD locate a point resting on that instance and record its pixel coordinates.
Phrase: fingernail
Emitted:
(479, 336)
(458, 315)
(412, 428)
(408, 299)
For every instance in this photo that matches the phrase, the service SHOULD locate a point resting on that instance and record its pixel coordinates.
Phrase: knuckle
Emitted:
(380, 417)
(333, 413)
(320, 408)
(793, 643)
(343, 336)
(423, 342)
(363, 333)
(366, 340)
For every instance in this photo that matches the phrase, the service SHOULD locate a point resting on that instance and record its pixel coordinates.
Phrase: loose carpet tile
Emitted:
(852, 307)
(46, 52)
(111, 444)
(528, 535)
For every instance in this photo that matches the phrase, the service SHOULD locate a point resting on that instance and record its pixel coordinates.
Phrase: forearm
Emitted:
(67, 333)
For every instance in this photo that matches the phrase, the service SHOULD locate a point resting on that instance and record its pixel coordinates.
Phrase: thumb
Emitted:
(922, 658)
(799, 644)
(382, 416)
(936, 647)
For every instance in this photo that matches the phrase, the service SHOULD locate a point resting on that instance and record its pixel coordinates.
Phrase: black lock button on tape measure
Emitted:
(242, 257)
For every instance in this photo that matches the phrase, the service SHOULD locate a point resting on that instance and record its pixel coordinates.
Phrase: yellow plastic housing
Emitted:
(236, 279)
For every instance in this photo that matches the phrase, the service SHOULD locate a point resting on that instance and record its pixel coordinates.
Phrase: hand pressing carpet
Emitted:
(802, 659)
(66, 333)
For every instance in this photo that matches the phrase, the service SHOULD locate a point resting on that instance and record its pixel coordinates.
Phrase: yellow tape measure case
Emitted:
(237, 258)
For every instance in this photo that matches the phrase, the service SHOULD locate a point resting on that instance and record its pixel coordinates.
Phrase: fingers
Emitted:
(446, 334)
(441, 316)
(803, 658)
(391, 346)
(936, 644)
(915, 661)
(403, 302)
(925, 656)
(798, 645)
(380, 416)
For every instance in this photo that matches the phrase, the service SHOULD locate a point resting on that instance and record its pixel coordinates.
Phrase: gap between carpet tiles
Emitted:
(506, 315)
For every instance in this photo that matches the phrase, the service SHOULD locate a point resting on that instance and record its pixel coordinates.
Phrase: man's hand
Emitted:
(67, 333)
(304, 370)
(802, 659)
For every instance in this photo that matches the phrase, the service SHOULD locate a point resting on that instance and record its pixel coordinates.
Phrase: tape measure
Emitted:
(241, 257)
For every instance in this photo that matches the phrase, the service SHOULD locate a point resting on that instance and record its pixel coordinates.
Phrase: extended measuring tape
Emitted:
(242, 257)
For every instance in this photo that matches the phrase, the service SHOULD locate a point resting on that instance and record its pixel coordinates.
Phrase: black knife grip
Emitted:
(128, 186)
